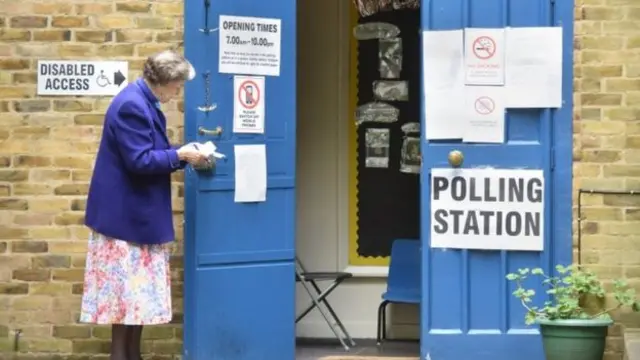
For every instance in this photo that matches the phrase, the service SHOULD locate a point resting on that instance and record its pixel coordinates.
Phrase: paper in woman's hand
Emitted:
(207, 149)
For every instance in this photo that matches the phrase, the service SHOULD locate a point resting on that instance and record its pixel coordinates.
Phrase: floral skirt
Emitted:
(126, 283)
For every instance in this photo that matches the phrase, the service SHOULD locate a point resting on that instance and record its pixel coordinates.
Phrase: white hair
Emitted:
(166, 67)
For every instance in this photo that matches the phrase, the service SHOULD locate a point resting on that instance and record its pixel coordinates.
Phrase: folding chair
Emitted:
(319, 296)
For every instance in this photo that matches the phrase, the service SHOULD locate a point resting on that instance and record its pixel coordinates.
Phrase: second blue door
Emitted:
(468, 311)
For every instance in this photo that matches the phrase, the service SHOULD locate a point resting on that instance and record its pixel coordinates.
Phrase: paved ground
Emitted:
(632, 344)
(364, 350)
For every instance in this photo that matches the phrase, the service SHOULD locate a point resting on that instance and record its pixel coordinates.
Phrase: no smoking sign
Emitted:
(484, 56)
(484, 47)
(248, 108)
(484, 105)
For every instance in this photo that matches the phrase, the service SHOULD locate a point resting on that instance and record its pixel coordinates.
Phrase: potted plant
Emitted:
(574, 318)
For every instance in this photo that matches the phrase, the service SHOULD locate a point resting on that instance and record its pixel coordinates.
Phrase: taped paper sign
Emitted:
(250, 173)
(391, 90)
(248, 107)
(249, 45)
(485, 114)
(443, 81)
(534, 67)
(378, 112)
(490, 209)
(390, 57)
(377, 148)
(410, 158)
(375, 30)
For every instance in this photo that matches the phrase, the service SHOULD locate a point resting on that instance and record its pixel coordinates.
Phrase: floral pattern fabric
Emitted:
(126, 283)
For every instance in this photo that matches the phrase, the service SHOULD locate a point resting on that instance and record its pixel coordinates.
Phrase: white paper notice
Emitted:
(248, 106)
(484, 113)
(444, 115)
(443, 79)
(491, 209)
(249, 45)
(534, 67)
(484, 56)
(250, 173)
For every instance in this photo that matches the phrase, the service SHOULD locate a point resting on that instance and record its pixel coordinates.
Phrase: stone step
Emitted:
(632, 344)
(373, 357)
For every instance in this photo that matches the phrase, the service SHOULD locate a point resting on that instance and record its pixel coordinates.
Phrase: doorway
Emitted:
(331, 234)
(240, 293)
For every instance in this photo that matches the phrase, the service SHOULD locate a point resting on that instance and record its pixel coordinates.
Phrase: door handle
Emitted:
(216, 132)
(456, 158)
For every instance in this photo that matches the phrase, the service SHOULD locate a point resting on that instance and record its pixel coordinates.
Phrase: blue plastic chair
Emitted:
(403, 281)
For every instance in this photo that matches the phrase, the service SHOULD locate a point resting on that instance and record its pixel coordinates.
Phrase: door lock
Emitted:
(216, 132)
(456, 158)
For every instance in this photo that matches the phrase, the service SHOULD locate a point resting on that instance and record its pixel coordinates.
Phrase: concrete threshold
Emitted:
(632, 344)
(369, 357)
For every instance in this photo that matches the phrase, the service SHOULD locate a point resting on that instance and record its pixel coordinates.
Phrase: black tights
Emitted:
(125, 342)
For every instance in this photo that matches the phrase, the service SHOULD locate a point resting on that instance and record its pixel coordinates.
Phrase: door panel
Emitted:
(239, 257)
(468, 311)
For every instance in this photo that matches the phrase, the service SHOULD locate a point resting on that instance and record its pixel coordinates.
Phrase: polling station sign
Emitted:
(491, 209)
(78, 78)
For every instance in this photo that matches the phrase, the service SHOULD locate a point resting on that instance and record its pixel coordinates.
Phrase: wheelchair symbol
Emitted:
(102, 80)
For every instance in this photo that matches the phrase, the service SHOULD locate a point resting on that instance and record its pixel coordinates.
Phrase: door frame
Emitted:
(562, 147)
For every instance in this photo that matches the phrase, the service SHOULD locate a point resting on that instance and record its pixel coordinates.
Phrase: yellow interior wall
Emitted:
(354, 258)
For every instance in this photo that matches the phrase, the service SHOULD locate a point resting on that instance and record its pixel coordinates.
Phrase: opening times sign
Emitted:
(490, 209)
(249, 45)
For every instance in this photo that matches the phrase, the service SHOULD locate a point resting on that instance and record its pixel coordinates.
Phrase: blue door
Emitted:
(468, 311)
(239, 300)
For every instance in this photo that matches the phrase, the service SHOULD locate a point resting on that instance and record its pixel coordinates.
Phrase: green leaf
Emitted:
(567, 292)
(537, 271)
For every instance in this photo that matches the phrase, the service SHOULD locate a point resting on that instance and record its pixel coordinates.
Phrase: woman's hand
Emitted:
(190, 154)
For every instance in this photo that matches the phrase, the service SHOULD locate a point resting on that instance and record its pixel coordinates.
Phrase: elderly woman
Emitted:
(127, 280)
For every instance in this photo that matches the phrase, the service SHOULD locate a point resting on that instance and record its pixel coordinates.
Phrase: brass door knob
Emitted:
(456, 158)
(216, 132)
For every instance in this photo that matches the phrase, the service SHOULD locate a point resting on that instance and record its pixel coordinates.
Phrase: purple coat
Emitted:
(130, 192)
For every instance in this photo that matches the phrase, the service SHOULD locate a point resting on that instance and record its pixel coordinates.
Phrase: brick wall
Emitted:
(607, 142)
(47, 146)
